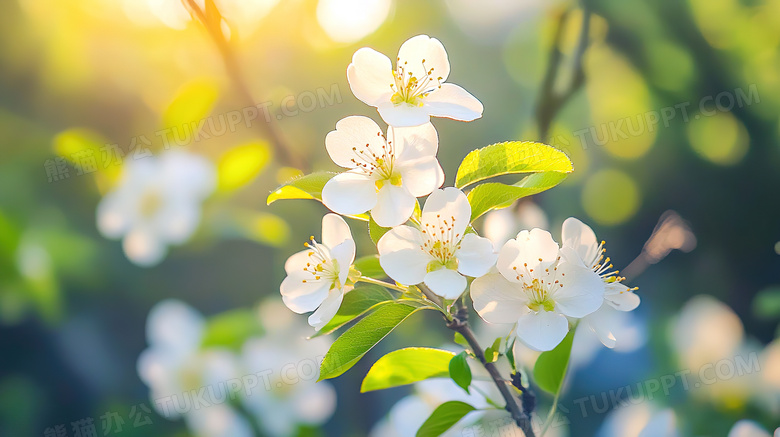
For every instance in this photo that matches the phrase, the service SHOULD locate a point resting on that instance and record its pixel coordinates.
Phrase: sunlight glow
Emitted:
(349, 21)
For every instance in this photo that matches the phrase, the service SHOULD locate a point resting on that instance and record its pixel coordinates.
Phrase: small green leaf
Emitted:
(509, 158)
(443, 418)
(550, 367)
(369, 266)
(375, 231)
(461, 340)
(493, 195)
(493, 351)
(304, 187)
(231, 329)
(360, 338)
(356, 303)
(510, 353)
(460, 372)
(407, 366)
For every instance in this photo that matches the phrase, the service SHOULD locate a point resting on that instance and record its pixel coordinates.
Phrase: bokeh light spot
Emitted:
(351, 20)
(610, 197)
(720, 139)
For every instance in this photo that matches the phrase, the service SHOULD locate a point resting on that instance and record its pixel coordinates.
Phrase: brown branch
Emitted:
(551, 102)
(212, 21)
(460, 324)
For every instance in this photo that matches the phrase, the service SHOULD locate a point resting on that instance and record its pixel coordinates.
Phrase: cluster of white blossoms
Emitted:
(532, 282)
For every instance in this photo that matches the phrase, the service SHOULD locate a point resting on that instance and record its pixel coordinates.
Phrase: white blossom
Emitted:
(748, 428)
(580, 238)
(384, 175)
(440, 253)
(537, 287)
(317, 277)
(156, 203)
(415, 90)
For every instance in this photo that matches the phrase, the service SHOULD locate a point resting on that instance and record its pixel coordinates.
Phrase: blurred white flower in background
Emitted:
(639, 420)
(291, 362)
(441, 254)
(156, 203)
(317, 277)
(347, 21)
(174, 365)
(748, 428)
(502, 225)
(415, 90)
(384, 175)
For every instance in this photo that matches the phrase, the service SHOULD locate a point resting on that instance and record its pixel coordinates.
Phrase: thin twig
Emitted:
(551, 102)
(211, 20)
(459, 324)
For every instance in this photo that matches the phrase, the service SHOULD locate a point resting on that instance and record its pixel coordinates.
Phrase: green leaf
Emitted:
(461, 340)
(231, 329)
(304, 187)
(493, 351)
(364, 335)
(407, 366)
(443, 418)
(460, 372)
(356, 303)
(509, 158)
(240, 165)
(375, 231)
(369, 266)
(550, 367)
(510, 354)
(493, 195)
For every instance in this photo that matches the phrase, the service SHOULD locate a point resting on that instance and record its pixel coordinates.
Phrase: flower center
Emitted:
(540, 286)
(410, 89)
(321, 266)
(150, 204)
(379, 165)
(441, 242)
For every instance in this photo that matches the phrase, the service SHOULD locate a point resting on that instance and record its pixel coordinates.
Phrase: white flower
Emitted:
(537, 288)
(580, 238)
(440, 253)
(317, 277)
(415, 90)
(156, 203)
(502, 225)
(174, 366)
(384, 176)
(288, 364)
(748, 428)
(640, 420)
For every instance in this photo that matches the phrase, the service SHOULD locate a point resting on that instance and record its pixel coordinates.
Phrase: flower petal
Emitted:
(620, 297)
(497, 300)
(661, 424)
(172, 325)
(302, 293)
(334, 230)
(600, 323)
(580, 237)
(421, 176)
(525, 252)
(402, 114)
(580, 291)
(143, 247)
(114, 215)
(405, 266)
(399, 238)
(177, 220)
(449, 204)
(393, 207)
(327, 309)
(349, 193)
(370, 76)
(424, 56)
(353, 135)
(542, 331)
(452, 101)
(344, 255)
(414, 142)
(475, 255)
(446, 283)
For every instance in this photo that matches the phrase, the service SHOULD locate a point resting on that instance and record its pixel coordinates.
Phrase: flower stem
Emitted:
(459, 324)
(368, 280)
(212, 21)
(436, 301)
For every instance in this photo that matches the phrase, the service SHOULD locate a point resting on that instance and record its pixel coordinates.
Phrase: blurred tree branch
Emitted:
(551, 102)
(211, 19)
